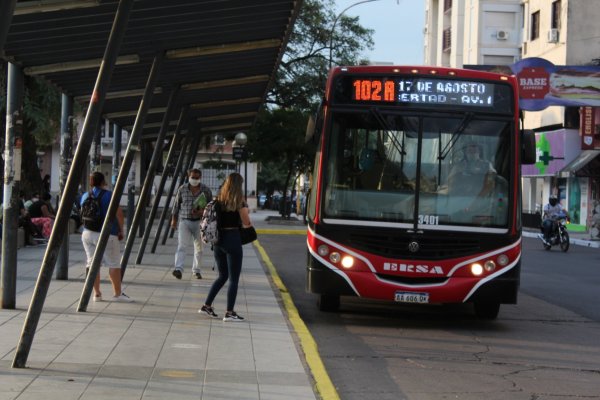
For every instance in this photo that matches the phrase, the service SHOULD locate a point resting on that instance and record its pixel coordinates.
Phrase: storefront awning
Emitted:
(580, 161)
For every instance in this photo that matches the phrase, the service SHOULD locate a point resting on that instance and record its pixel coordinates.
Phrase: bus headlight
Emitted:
(347, 262)
(489, 266)
(476, 269)
(335, 257)
(323, 250)
(502, 260)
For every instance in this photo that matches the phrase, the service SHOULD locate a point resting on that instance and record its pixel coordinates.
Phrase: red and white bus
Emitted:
(415, 195)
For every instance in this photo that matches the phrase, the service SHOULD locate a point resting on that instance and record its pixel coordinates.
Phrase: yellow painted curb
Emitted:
(323, 383)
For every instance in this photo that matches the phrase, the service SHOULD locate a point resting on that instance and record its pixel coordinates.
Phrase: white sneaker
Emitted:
(123, 298)
(97, 298)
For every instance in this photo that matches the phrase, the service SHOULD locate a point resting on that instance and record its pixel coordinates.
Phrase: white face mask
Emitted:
(194, 182)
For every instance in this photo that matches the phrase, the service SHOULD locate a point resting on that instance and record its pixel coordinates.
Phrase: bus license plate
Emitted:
(412, 297)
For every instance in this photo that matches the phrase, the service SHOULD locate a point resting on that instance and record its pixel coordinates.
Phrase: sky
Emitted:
(398, 26)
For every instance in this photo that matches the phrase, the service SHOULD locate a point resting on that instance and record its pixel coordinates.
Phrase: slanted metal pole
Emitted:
(66, 156)
(174, 144)
(148, 181)
(165, 211)
(193, 154)
(95, 152)
(64, 210)
(12, 178)
(144, 149)
(120, 184)
(116, 160)
(190, 159)
(7, 8)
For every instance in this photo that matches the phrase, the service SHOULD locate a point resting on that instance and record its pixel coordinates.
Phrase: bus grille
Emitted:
(431, 248)
(412, 280)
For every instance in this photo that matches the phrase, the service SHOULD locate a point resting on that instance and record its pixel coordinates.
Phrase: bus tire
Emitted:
(486, 309)
(328, 302)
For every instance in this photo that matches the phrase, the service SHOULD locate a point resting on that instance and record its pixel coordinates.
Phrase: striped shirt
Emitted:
(184, 200)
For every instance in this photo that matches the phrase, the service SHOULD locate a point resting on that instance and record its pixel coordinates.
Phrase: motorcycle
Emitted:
(559, 236)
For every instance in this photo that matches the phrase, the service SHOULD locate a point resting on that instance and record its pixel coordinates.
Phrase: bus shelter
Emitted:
(163, 70)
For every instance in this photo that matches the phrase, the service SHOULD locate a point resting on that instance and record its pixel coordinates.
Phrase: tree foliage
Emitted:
(41, 123)
(315, 42)
(277, 139)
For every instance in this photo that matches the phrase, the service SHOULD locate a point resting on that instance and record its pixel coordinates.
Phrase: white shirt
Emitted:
(553, 211)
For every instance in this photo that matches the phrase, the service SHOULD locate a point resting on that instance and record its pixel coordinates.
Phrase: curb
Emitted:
(579, 242)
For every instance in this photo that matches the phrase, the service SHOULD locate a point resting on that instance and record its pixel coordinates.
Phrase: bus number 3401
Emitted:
(429, 219)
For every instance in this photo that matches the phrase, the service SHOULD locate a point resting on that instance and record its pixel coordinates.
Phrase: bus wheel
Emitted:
(328, 302)
(486, 309)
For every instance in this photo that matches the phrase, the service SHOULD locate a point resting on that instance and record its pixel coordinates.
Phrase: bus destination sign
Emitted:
(419, 90)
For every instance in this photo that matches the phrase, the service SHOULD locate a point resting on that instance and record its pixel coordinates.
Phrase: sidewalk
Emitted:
(158, 347)
(576, 238)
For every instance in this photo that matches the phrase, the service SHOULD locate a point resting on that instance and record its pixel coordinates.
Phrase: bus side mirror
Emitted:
(528, 155)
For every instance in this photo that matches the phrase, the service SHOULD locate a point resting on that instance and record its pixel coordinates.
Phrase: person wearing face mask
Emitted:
(472, 176)
(552, 211)
(189, 205)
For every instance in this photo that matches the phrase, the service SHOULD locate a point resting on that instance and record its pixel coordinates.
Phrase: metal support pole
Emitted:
(193, 154)
(120, 184)
(66, 156)
(12, 178)
(175, 141)
(83, 148)
(148, 181)
(141, 224)
(245, 176)
(7, 8)
(95, 152)
(116, 159)
(176, 172)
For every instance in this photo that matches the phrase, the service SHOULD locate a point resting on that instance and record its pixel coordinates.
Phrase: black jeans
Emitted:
(228, 256)
(548, 227)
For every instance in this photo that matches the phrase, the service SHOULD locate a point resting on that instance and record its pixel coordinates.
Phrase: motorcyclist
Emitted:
(552, 212)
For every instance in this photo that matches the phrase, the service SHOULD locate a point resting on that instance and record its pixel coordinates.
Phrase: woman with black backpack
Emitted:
(233, 214)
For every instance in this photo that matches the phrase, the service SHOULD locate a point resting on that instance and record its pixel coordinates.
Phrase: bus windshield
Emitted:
(442, 171)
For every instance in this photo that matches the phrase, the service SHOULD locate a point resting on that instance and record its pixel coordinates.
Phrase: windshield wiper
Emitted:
(455, 135)
(383, 123)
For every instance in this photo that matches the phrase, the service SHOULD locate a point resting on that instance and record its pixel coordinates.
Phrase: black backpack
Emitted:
(91, 212)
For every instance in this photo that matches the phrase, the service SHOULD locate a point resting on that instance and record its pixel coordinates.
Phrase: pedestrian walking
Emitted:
(190, 200)
(91, 234)
(233, 214)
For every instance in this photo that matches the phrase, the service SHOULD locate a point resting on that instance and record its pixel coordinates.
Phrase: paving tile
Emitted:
(158, 347)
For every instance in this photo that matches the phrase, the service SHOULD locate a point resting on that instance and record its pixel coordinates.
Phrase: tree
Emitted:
(301, 76)
(278, 141)
(41, 124)
(277, 138)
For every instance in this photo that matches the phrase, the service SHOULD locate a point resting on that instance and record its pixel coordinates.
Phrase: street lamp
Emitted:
(240, 140)
(335, 22)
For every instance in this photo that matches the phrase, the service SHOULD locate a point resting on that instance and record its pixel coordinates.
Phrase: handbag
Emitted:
(248, 235)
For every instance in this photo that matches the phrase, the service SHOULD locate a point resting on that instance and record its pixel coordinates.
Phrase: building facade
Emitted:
(563, 32)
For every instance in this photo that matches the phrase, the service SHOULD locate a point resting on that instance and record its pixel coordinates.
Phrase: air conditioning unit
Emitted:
(553, 36)
(502, 35)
